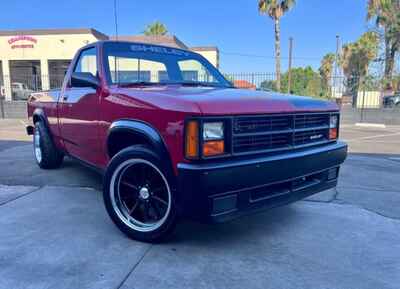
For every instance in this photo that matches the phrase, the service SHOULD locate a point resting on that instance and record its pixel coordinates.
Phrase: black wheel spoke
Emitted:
(133, 208)
(137, 177)
(156, 209)
(159, 189)
(130, 185)
(160, 201)
(146, 211)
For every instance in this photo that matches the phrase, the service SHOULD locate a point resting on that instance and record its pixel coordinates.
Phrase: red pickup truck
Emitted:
(174, 139)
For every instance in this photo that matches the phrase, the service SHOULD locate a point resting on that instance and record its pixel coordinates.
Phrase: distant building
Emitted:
(39, 58)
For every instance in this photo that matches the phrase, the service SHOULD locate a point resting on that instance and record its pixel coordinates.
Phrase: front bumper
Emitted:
(220, 191)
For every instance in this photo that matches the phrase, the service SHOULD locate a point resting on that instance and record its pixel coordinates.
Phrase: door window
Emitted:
(87, 62)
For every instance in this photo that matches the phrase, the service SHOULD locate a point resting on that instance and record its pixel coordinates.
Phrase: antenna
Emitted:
(116, 73)
(116, 19)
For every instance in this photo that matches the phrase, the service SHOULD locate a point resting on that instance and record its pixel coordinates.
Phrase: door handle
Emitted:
(65, 97)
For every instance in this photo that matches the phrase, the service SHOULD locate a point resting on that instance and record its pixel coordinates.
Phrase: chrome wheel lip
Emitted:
(130, 221)
(36, 146)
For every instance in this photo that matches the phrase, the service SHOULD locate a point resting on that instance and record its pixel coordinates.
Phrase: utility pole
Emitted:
(337, 55)
(290, 64)
(116, 19)
(337, 58)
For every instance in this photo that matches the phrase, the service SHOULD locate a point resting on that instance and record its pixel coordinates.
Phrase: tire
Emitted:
(46, 154)
(139, 194)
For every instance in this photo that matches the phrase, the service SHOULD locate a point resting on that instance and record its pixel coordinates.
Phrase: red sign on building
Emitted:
(25, 38)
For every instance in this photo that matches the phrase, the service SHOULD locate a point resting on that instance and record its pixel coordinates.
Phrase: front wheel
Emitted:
(138, 195)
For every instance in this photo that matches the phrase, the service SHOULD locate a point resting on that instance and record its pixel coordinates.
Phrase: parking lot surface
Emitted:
(55, 232)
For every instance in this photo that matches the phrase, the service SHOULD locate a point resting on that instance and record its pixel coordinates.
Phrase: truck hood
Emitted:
(226, 101)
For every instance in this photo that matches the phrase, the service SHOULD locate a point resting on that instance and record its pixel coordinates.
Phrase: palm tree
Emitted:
(355, 61)
(386, 14)
(275, 9)
(155, 29)
(326, 70)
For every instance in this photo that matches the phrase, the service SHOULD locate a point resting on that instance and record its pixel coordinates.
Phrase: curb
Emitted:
(366, 124)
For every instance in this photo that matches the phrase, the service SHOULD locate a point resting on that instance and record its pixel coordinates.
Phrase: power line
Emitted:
(268, 57)
(116, 19)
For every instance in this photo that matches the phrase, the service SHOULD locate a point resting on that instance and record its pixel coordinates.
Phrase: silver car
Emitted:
(20, 91)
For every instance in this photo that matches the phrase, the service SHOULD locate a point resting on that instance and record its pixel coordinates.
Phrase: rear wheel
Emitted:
(46, 154)
(138, 195)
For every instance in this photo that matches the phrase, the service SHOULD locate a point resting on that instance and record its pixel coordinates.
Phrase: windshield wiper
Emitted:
(198, 83)
(138, 83)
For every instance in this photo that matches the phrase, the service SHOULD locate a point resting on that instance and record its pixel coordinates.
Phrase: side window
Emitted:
(87, 62)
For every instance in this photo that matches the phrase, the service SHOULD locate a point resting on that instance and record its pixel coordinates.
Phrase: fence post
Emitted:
(363, 102)
(290, 65)
(2, 107)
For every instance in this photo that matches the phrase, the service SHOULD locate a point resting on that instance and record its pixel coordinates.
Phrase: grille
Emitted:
(279, 132)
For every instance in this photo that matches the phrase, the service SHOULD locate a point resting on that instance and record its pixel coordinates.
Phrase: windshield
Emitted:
(140, 64)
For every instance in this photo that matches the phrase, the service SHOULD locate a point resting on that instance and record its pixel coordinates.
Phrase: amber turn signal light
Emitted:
(213, 148)
(333, 133)
(192, 140)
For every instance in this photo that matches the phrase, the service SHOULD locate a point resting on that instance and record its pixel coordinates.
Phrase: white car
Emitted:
(20, 91)
(2, 92)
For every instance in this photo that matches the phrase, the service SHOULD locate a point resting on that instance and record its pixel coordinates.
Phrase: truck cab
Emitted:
(174, 138)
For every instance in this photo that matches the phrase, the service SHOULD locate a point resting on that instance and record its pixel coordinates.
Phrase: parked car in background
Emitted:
(20, 91)
(392, 100)
(175, 139)
(2, 92)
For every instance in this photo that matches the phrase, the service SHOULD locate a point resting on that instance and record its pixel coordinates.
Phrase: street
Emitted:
(55, 232)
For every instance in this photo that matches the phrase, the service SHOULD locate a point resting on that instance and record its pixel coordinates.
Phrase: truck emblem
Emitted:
(316, 136)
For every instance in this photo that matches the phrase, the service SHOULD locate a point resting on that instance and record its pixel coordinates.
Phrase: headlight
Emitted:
(212, 142)
(213, 139)
(333, 127)
(333, 123)
(213, 131)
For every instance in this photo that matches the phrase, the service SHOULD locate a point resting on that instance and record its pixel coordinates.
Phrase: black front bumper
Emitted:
(219, 191)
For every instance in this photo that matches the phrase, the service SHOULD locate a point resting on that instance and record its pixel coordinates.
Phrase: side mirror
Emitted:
(84, 79)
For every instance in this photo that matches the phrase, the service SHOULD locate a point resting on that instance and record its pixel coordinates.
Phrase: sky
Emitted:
(244, 37)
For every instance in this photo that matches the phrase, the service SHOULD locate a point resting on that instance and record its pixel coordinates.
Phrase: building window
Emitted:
(25, 78)
(57, 71)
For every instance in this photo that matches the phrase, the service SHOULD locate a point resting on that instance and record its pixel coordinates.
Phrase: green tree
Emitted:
(386, 14)
(355, 61)
(275, 9)
(357, 56)
(268, 85)
(155, 29)
(305, 81)
(325, 71)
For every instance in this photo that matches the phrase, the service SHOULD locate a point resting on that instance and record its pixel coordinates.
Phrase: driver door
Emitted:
(79, 112)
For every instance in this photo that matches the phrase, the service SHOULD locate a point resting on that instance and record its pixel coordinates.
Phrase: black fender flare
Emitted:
(145, 131)
(39, 113)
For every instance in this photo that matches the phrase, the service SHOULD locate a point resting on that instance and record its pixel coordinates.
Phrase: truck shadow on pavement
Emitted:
(248, 227)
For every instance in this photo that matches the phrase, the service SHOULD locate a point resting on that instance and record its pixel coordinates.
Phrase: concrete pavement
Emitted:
(55, 233)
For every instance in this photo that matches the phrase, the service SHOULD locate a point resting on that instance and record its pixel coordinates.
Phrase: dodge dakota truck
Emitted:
(174, 139)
